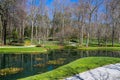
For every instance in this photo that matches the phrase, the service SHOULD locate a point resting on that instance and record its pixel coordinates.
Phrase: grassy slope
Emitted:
(75, 67)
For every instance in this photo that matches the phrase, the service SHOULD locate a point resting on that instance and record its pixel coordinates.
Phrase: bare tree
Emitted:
(91, 10)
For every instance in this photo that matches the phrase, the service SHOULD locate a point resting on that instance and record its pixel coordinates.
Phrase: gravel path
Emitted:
(109, 72)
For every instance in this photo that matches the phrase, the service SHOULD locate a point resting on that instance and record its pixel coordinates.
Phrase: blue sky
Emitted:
(49, 4)
(73, 0)
(50, 1)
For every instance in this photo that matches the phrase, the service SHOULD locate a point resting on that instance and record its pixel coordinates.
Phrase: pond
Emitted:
(14, 66)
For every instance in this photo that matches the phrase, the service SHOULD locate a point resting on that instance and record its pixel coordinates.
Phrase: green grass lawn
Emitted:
(74, 67)
(15, 49)
(22, 49)
(53, 47)
(100, 48)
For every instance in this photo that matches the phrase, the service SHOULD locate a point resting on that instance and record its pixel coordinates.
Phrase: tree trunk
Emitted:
(87, 43)
(4, 31)
(32, 32)
(113, 31)
(36, 33)
(81, 39)
(23, 26)
(105, 40)
(63, 25)
(88, 32)
(119, 38)
(98, 37)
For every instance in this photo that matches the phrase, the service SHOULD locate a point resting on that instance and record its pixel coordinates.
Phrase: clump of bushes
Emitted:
(70, 47)
(39, 45)
(16, 43)
(27, 43)
(74, 40)
(50, 39)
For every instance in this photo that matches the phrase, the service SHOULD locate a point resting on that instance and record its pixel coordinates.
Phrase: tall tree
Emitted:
(7, 8)
(91, 8)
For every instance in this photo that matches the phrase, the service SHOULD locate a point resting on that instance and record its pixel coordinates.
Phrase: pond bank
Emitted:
(28, 49)
(109, 72)
(75, 67)
(100, 48)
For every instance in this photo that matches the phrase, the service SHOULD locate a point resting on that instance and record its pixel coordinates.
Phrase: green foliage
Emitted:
(38, 45)
(50, 39)
(74, 40)
(70, 47)
(27, 32)
(15, 34)
(16, 43)
(27, 43)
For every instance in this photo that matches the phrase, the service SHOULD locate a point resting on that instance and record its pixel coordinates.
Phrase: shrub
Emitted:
(70, 47)
(74, 40)
(15, 34)
(50, 39)
(16, 43)
(26, 38)
(27, 43)
(39, 45)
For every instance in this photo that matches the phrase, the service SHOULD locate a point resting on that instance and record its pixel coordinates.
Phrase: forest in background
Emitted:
(84, 21)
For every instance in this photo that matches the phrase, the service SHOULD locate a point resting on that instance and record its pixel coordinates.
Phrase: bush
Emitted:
(70, 47)
(50, 39)
(15, 34)
(74, 40)
(20, 41)
(27, 43)
(16, 43)
(39, 45)
(26, 38)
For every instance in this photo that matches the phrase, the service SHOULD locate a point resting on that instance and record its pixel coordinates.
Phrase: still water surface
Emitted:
(31, 64)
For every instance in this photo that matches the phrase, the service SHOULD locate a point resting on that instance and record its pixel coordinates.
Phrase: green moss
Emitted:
(74, 67)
